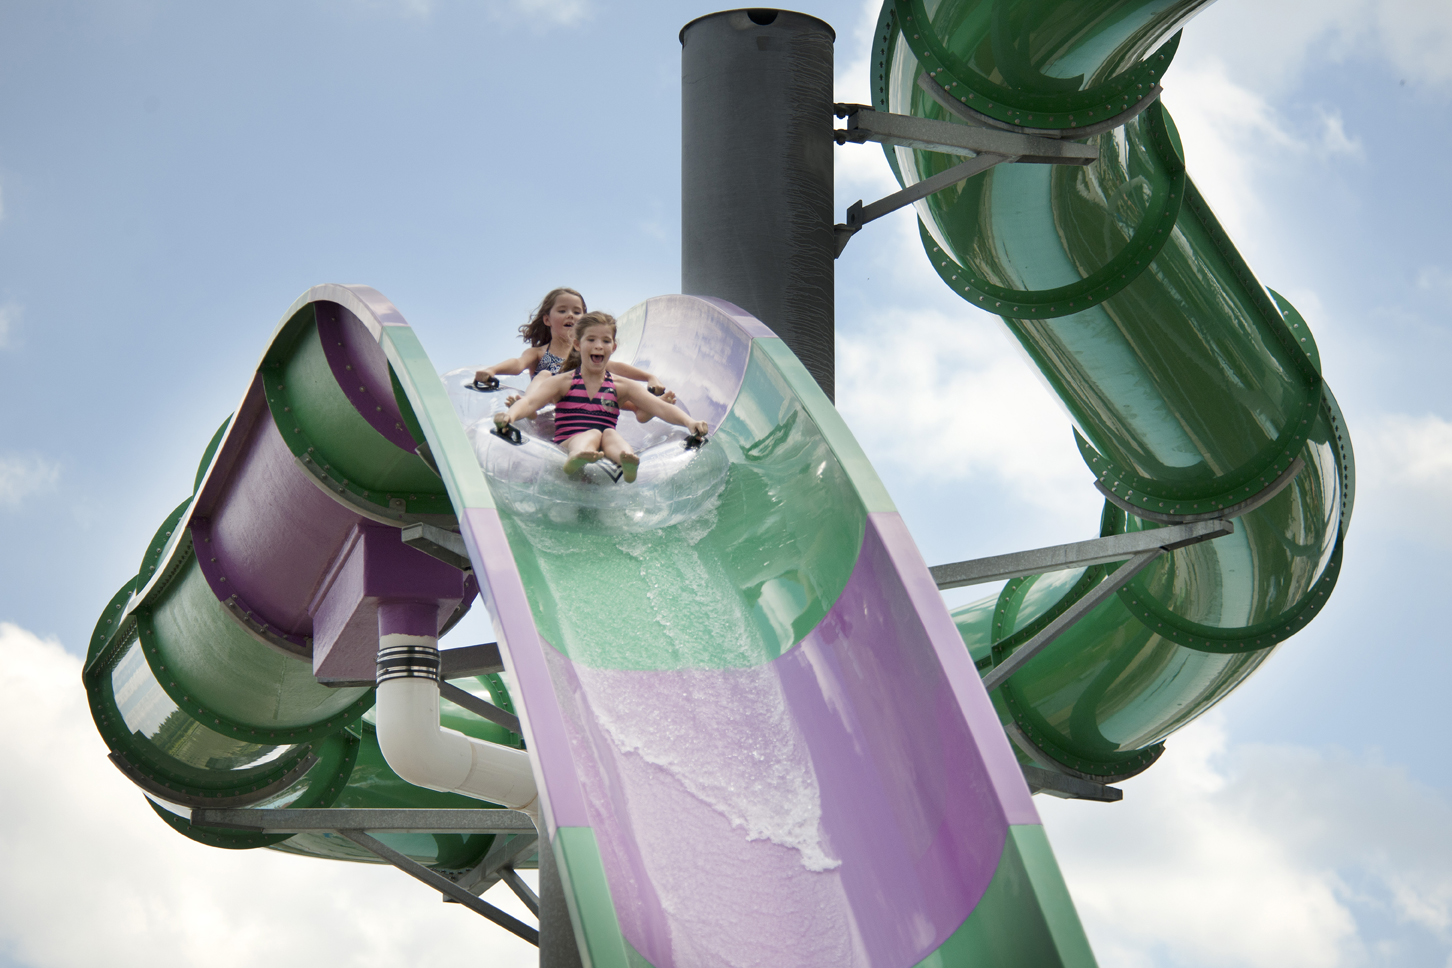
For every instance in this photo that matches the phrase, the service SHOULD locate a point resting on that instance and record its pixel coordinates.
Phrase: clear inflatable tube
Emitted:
(674, 484)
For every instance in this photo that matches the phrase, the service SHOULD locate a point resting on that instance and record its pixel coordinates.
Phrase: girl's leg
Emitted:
(582, 449)
(619, 451)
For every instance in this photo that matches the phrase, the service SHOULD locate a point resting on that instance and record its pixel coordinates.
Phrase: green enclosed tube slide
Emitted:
(1192, 388)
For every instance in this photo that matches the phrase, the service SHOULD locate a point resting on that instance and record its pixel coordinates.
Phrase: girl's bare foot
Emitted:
(577, 462)
(630, 464)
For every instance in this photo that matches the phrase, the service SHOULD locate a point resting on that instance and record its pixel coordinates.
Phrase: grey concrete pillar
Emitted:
(756, 173)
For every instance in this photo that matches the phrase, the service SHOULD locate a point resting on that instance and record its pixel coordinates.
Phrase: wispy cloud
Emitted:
(949, 396)
(1334, 139)
(564, 13)
(1261, 857)
(1404, 474)
(1434, 279)
(22, 475)
(561, 13)
(9, 320)
(157, 900)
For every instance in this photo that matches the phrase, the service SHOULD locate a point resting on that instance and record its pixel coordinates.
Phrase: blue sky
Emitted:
(173, 175)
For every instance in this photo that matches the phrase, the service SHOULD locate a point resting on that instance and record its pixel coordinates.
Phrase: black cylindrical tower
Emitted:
(756, 173)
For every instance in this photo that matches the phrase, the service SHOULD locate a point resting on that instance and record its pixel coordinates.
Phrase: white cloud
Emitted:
(22, 475)
(947, 395)
(1404, 474)
(1258, 856)
(79, 846)
(1416, 37)
(9, 318)
(563, 13)
(1434, 279)
(1334, 140)
(1269, 46)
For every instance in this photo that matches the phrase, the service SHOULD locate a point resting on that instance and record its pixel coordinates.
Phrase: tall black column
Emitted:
(756, 173)
(557, 947)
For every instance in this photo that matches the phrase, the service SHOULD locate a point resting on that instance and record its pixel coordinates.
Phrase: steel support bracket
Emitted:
(1138, 549)
(1066, 787)
(446, 546)
(984, 148)
(470, 660)
(515, 829)
(1080, 554)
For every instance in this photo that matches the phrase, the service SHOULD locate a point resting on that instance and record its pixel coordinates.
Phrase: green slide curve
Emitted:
(1191, 386)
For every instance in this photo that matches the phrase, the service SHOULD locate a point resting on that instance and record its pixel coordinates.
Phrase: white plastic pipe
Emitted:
(425, 754)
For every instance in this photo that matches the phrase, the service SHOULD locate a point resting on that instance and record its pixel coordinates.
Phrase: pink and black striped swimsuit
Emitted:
(579, 412)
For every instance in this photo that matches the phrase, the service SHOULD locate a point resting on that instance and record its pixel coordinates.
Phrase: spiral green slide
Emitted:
(1192, 387)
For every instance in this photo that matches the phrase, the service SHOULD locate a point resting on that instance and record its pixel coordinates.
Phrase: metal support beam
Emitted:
(865, 124)
(1121, 577)
(859, 215)
(1066, 787)
(508, 850)
(446, 546)
(470, 660)
(1080, 554)
(514, 834)
(987, 146)
(402, 820)
(559, 949)
(480, 708)
(521, 889)
(443, 885)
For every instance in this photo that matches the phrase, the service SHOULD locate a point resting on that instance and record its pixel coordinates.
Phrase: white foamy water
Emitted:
(727, 737)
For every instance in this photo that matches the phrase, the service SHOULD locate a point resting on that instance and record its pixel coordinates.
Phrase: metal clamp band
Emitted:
(408, 662)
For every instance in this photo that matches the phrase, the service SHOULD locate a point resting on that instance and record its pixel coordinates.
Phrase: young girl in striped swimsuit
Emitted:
(588, 401)
(550, 335)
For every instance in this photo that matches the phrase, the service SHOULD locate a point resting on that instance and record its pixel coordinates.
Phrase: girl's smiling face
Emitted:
(561, 318)
(596, 344)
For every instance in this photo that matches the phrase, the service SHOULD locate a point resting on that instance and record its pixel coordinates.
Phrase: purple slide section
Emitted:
(263, 530)
(361, 370)
(562, 800)
(844, 804)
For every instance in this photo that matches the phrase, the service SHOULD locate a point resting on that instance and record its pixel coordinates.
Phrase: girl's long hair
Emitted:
(536, 332)
(587, 321)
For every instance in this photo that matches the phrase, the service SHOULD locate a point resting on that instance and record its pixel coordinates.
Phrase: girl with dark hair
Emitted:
(550, 335)
(588, 401)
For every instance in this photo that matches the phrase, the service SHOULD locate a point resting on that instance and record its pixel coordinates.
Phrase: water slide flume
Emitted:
(713, 701)
(1196, 393)
(753, 731)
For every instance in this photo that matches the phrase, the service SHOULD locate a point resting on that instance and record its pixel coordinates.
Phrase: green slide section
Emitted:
(199, 700)
(1191, 386)
(735, 587)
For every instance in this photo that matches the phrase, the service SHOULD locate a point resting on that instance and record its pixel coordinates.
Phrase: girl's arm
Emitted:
(636, 373)
(520, 364)
(544, 390)
(629, 391)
